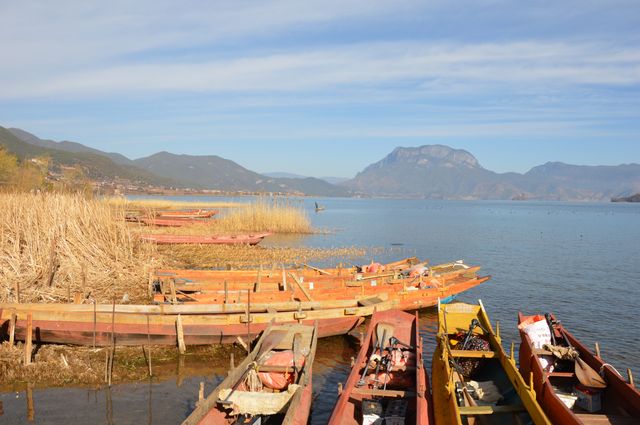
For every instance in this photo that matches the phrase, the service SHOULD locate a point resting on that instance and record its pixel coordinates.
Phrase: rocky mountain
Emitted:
(437, 171)
(214, 172)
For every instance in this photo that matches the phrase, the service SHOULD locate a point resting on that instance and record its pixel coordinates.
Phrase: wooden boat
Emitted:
(188, 214)
(251, 239)
(388, 375)
(281, 359)
(474, 381)
(169, 222)
(304, 270)
(620, 401)
(409, 292)
(85, 324)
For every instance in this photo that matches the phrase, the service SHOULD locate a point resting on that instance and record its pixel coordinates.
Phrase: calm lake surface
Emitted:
(578, 260)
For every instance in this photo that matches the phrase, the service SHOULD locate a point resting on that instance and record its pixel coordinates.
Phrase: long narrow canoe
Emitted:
(250, 239)
(188, 214)
(620, 400)
(392, 347)
(135, 325)
(235, 401)
(474, 381)
(169, 222)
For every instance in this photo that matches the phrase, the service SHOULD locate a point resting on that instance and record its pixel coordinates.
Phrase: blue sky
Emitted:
(326, 88)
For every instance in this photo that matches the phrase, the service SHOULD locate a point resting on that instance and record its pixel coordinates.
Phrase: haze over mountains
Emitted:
(430, 171)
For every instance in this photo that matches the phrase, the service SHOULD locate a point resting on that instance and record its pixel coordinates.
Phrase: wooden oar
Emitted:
(585, 373)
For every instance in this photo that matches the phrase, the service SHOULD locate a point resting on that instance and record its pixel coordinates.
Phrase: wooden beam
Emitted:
(28, 340)
(304, 291)
(489, 410)
(180, 334)
(473, 354)
(383, 393)
(12, 327)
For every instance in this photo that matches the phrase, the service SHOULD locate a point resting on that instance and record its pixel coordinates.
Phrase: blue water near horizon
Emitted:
(577, 260)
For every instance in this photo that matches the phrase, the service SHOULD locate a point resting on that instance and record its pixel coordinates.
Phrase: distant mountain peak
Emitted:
(439, 155)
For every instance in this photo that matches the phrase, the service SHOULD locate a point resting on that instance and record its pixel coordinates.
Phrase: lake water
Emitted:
(580, 261)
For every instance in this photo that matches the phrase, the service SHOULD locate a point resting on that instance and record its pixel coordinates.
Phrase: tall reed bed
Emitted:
(277, 215)
(54, 246)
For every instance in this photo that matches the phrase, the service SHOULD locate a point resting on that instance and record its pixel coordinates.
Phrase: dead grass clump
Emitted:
(53, 246)
(242, 256)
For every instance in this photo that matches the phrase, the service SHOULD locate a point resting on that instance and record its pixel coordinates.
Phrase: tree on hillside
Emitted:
(8, 167)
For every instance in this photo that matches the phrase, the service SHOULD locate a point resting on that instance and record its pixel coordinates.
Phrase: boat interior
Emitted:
(482, 389)
(386, 385)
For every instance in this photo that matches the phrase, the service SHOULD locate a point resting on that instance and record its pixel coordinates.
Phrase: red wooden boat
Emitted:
(188, 214)
(85, 324)
(389, 379)
(169, 222)
(272, 385)
(619, 401)
(251, 239)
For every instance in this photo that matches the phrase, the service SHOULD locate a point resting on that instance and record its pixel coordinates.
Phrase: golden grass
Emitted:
(53, 246)
(265, 215)
(242, 256)
(166, 204)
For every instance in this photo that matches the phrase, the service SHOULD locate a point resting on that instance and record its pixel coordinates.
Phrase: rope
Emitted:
(611, 366)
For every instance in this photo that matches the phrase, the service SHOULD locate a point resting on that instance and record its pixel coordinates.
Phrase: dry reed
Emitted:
(276, 215)
(53, 246)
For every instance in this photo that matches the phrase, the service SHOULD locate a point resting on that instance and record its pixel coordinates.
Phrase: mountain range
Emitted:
(437, 171)
(425, 172)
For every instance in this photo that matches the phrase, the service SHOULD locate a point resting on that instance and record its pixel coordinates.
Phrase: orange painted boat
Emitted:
(169, 222)
(251, 239)
(389, 380)
(409, 292)
(85, 324)
(619, 401)
(272, 385)
(188, 214)
(304, 270)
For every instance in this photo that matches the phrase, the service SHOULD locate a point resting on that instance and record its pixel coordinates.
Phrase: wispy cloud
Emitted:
(434, 67)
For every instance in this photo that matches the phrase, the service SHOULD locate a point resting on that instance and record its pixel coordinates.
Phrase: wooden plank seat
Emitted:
(561, 375)
(473, 354)
(490, 410)
(598, 419)
(382, 393)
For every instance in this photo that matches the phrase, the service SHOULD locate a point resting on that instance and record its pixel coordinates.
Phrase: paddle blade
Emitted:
(587, 376)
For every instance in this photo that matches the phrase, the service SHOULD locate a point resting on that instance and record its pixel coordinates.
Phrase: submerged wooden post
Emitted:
(201, 392)
(180, 334)
(30, 410)
(28, 340)
(12, 327)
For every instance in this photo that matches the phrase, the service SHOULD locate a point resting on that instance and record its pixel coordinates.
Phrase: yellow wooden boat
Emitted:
(474, 380)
